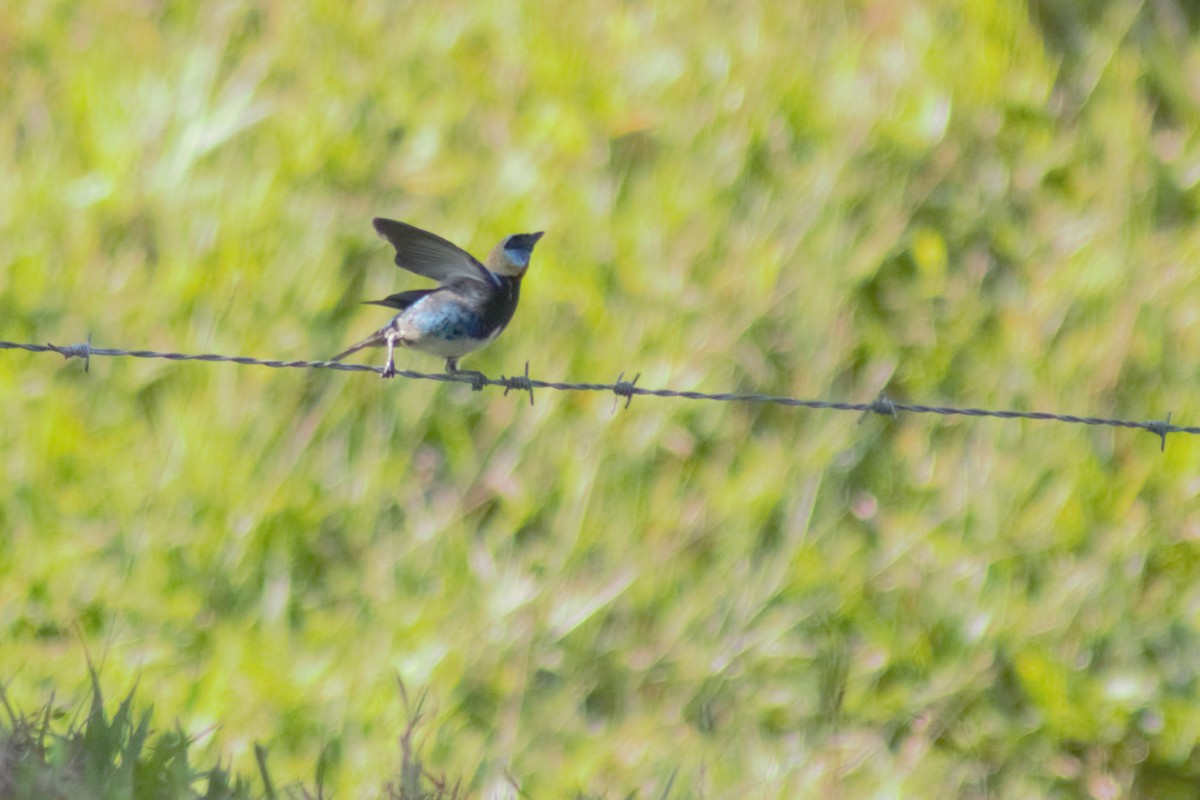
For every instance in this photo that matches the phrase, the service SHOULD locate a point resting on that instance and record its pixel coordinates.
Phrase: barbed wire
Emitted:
(621, 388)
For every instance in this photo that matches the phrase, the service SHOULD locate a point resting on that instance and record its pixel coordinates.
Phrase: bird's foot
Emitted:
(477, 379)
(389, 369)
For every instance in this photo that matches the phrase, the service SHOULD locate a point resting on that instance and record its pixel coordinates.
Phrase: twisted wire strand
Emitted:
(621, 388)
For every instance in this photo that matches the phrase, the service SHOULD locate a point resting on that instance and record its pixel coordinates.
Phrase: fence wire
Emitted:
(621, 388)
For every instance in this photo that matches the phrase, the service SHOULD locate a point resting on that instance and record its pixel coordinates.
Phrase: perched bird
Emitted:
(471, 305)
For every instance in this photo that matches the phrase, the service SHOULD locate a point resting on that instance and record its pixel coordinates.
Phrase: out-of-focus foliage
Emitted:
(964, 202)
(108, 757)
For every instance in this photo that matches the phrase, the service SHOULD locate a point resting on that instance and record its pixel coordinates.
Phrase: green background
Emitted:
(971, 203)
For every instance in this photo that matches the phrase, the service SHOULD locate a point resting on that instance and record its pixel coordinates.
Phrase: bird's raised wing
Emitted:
(428, 254)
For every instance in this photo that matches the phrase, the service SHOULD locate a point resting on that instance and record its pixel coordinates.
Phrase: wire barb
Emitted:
(624, 388)
(1161, 429)
(882, 406)
(70, 351)
(518, 382)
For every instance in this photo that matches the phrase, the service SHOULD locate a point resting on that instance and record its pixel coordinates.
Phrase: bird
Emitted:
(471, 305)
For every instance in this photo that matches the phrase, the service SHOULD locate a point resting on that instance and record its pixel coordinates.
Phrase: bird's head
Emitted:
(511, 256)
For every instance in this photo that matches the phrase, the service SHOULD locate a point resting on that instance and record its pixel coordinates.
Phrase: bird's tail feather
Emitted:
(376, 339)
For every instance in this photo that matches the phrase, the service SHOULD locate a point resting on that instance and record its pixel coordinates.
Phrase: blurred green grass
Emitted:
(969, 203)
